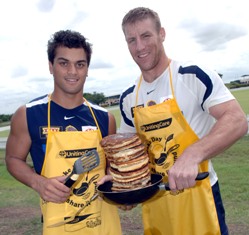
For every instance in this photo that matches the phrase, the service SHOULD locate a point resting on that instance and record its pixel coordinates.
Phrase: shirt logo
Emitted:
(44, 130)
(71, 128)
(156, 125)
(137, 107)
(151, 103)
(68, 118)
(89, 128)
(148, 92)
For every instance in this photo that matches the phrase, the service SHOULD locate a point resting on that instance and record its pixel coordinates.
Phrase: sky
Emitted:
(213, 33)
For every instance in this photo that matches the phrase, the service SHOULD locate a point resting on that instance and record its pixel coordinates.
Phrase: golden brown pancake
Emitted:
(129, 161)
(127, 154)
(118, 140)
(130, 176)
(115, 148)
(142, 182)
(131, 165)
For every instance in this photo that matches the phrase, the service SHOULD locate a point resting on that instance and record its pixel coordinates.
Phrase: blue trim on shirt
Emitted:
(202, 76)
(122, 97)
(219, 209)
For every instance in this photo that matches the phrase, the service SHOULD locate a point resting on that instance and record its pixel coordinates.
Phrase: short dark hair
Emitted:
(70, 39)
(141, 13)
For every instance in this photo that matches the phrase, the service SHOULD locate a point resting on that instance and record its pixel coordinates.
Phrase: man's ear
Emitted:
(50, 67)
(162, 33)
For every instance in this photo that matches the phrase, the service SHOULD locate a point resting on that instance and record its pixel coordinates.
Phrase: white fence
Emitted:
(3, 139)
(3, 143)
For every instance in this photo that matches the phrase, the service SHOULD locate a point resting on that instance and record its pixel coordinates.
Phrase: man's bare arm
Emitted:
(17, 149)
(231, 125)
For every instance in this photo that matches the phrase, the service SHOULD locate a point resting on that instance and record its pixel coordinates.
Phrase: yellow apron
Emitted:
(166, 134)
(97, 217)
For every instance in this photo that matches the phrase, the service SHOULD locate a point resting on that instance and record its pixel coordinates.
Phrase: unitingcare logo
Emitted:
(74, 153)
(156, 125)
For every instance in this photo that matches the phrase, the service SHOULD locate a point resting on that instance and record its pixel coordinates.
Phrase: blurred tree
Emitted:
(5, 117)
(96, 98)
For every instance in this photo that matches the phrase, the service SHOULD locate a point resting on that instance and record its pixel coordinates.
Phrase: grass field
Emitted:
(19, 209)
(4, 133)
(243, 97)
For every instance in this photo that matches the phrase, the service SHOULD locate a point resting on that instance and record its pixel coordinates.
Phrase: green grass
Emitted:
(16, 193)
(232, 168)
(116, 112)
(4, 123)
(4, 133)
(243, 98)
(16, 197)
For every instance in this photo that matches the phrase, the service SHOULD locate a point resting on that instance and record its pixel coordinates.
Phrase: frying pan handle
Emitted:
(200, 176)
(70, 180)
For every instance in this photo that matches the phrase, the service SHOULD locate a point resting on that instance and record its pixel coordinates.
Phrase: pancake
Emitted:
(131, 176)
(128, 145)
(118, 140)
(140, 183)
(131, 165)
(129, 161)
(125, 158)
(126, 155)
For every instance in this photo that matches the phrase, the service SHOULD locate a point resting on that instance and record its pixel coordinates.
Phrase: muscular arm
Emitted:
(17, 149)
(231, 125)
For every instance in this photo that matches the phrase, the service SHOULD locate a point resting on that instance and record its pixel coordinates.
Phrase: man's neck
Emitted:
(67, 101)
(151, 75)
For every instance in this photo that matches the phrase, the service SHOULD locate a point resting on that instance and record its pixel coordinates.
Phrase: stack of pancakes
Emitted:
(129, 162)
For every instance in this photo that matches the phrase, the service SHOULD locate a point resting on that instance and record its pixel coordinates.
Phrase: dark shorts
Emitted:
(220, 209)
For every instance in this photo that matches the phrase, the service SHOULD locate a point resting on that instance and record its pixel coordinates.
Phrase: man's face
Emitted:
(69, 70)
(145, 43)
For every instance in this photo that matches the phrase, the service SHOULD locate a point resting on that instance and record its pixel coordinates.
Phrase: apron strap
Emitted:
(49, 102)
(99, 132)
(171, 81)
(171, 84)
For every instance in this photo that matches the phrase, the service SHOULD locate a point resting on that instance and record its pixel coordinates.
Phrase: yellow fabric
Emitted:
(188, 212)
(98, 217)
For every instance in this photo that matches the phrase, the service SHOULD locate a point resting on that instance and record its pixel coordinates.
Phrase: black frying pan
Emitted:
(137, 196)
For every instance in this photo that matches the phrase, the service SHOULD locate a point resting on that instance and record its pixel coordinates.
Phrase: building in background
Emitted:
(244, 79)
(110, 101)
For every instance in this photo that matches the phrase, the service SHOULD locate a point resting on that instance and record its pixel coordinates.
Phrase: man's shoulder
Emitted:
(191, 67)
(94, 106)
(129, 90)
(37, 101)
